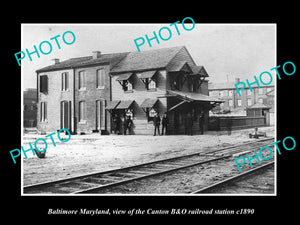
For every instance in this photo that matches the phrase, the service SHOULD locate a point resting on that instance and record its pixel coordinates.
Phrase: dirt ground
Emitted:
(84, 154)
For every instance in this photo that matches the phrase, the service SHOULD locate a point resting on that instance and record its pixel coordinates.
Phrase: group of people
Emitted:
(122, 126)
(126, 124)
(164, 122)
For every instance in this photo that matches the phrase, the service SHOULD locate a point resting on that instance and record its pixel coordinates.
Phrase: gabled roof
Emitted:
(199, 70)
(146, 60)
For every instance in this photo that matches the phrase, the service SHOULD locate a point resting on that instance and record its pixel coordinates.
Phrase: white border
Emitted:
(150, 24)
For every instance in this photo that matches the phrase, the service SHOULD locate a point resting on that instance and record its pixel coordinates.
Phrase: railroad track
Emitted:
(212, 187)
(101, 181)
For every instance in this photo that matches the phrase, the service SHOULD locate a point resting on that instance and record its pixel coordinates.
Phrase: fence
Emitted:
(235, 122)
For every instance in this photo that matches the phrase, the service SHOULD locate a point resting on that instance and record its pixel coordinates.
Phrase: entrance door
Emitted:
(100, 115)
(65, 117)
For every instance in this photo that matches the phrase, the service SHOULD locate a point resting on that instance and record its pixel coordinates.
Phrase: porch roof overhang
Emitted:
(148, 103)
(124, 76)
(192, 96)
(146, 74)
(124, 104)
(112, 104)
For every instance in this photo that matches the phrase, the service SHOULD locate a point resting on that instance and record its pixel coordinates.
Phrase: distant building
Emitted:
(29, 107)
(232, 101)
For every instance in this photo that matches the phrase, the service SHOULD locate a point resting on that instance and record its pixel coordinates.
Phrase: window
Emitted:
(82, 109)
(129, 112)
(249, 102)
(151, 84)
(260, 91)
(260, 100)
(230, 93)
(214, 93)
(248, 92)
(43, 112)
(230, 102)
(100, 78)
(44, 84)
(100, 114)
(239, 102)
(151, 114)
(65, 81)
(127, 86)
(81, 84)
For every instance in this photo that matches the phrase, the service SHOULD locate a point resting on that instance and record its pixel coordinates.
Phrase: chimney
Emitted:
(56, 61)
(237, 80)
(96, 54)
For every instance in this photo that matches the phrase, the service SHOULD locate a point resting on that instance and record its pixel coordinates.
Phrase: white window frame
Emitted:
(100, 78)
(82, 112)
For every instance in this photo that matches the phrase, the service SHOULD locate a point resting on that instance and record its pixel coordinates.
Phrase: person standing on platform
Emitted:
(156, 123)
(129, 125)
(201, 122)
(190, 124)
(165, 123)
(124, 122)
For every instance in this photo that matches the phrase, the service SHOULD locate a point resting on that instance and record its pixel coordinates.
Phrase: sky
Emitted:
(226, 51)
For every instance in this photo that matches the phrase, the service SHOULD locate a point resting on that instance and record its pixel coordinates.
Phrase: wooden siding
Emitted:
(139, 94)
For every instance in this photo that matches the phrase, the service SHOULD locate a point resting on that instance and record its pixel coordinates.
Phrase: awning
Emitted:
(146, 74)
(124, 104)
(148, 103)
(124, 76)
(192, 96)
(112, 105)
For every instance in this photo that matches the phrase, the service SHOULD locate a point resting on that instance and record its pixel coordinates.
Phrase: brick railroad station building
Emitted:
(83, 94)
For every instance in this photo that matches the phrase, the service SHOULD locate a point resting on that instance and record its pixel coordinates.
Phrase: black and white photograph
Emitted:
(180, 109)
(191, 116)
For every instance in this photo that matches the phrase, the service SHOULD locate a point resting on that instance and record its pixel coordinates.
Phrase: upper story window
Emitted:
(149, 78)
(151, 84)
(127, 85)
(126, 81)
(44, 84)
(81, 80)
(248, 92)
(249, 102)
(65, 81)
(100, 78)
(260, 91)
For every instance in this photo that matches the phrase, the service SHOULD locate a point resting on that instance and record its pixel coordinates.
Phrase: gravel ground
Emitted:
(84, 154)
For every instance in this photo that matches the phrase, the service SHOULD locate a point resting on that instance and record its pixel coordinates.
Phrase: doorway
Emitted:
(65, 115)
(100, 115)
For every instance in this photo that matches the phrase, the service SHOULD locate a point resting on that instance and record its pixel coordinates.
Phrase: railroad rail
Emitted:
(230, 180)
(94, 182)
